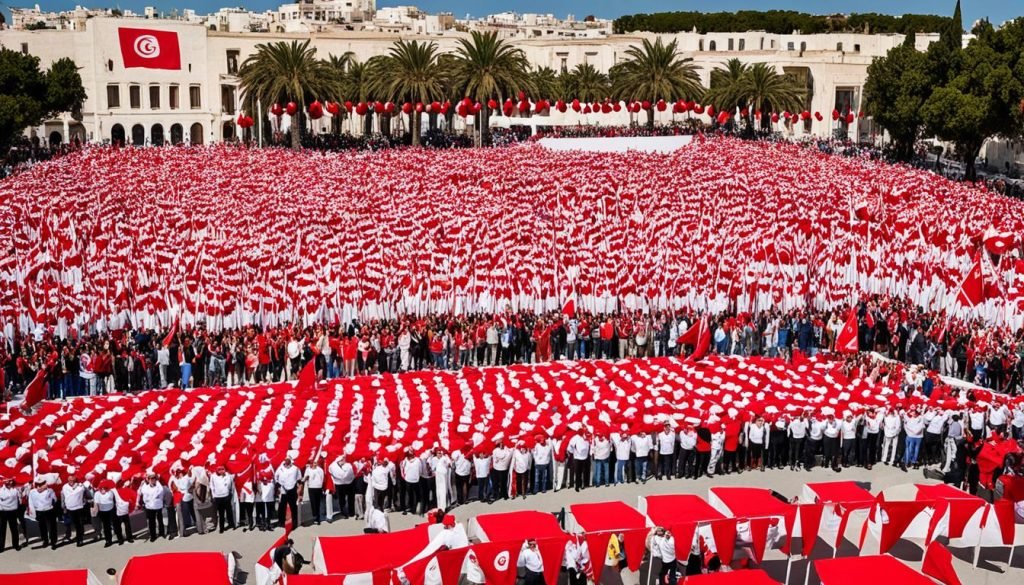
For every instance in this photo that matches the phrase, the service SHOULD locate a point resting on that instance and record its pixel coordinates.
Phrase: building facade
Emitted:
(199, 102)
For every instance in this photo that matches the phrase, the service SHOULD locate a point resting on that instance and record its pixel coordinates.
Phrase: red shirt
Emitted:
(607, 331)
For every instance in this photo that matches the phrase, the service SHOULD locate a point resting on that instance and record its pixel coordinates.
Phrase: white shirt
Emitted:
(816, 430)
(977, 420)
(935, 423)
(622, 447)
(152, 496)
(376, 518)
(891, 425)
(463, 464)
(412, 469)
(997, 416)
(798, 428)
(122, 506)
(849, 429)
(687, 440)
(73, 496)
(42, 501)
(521, 461)
(482, 465)
(379, 477)
(501, 458)
(665, 547)
(287, 477)
(530, 560)
(342, 472)
(666, 442)
(264, 491)
(10, 498)
(314, 478)
(579, 447)
(542, 453)
(914, 426)
(642, 445)
(104, 501)
(220, 485)
(832, 429)
(602, 448)
(756, 434)
(184, 485)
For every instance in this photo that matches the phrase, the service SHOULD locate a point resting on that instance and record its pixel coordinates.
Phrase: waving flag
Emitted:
(149, 49)
(846, 341)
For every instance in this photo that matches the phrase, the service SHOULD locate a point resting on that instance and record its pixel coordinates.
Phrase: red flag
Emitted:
(307, 377)
(698, 335)
(150, 49)
(498, 561)
(846, 341)
(449, 564)
(938, 563)
(569, 308)
(551, 552)
(36, 390)
(972, 289)
(170, 334)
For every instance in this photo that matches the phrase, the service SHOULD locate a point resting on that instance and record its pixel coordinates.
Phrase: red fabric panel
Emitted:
(519, 525)
(810, 523)
(552, 550)
(747, 577)
(498, 561)
(415, 570)
(597, 546)
(900, 515)
(938, 563)
(724, 532)
(869, 569)
(607, 517)
(759, 536)
(449, 563)
(382, 576)
(666, 510)
(683, 535)
(365, 553)
(71, 577)
(1004, 513)
(165, 569)
(635, 543)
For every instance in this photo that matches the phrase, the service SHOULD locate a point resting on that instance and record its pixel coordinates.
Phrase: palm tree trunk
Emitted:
(485, 128)
(415, 128)
(295, 125)
(650, 117)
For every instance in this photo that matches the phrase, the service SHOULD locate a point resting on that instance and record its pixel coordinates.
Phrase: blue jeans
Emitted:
(620, 470)
(641, 468)
(186, 375)
(913, 448)
(600, 472)
(581, 348)
(541, 478)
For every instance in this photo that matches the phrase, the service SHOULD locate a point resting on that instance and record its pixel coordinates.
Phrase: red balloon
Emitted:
(586, 109)
(646, 104)
(419, 107)
(406, 108)
(524, 106)
(276, 110)
(461, 110)
(698, 109)
(744, 112)
(447, 105)
(333, 108)
(710, 111)
(818, 116)
(617, 107)
(723, 117)
(606, 108)
(835, 114)
(477, 107)
(348, 106)
(241, 120)
(292, 108)
(316, 110)
(522, 96)
(661, 105)
(436, 106)
(249, 122)
(468, 103)
(804, 115)
(775, 117)
(576, 105)
(491, 104)
(850, 118)
(362, 109)
(786, 115)
(389, 108)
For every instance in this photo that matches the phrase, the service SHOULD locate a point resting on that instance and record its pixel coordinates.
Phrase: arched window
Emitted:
(156, 135)
(138, 135)
(177, 134)
(229, 131)
(56, 138)
(117, 135)
(196, 133)
(712, 47)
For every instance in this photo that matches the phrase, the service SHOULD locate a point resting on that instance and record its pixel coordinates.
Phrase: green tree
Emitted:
(546, 83)
(981, 99)
(28, 96)
(409, 73)
(766, 90)
(727, 86)
(586, 83)
(490, 68)
(656, 71)
(896, 89)
(284, 72)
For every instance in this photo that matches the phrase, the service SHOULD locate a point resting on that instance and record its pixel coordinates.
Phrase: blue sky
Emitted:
(996, 10)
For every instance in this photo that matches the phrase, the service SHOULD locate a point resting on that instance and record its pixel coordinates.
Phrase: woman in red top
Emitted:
(437, 350)
(349, 350)
(731, 445)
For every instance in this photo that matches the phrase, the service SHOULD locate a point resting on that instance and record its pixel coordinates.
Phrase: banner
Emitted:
(150, 49)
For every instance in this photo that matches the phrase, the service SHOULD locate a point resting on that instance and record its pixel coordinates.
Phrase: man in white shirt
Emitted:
(344, 477)
(521, 461)
(848, 434)
(221, 488)
(314, 481)
(531, 563)
(892, 424)
(73, 496)
(411, 468)
(664, 546)
(287, 477)
(541, 465)
(666, 450)
(797, 433)
(463, 468)
(265, 495)
(183, 484)
(869, 438)
(501, 460)
(10, 502)
(43, 502)
(913, 424)
(440, 464)
(686, 460)
(815, 437)
(482, 475)
(601, 448)
(381, 479)
(832, 431)
(623, 447)
(998, 415)
(579, 449)
(106, 504)
(935, 424)
(376, 521)
(642, 445)
(151, 499)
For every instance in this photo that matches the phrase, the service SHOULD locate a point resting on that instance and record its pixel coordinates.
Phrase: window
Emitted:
(233, 61)
(856, 48)
(135, 96)
(712, 47)
(172, 97)
(789, 46)
(731, 45)
(154, 97)
(564, 58)
(24, 48)
(700, 45)
(110, 64)
(113, 96)
(803, 47)
(839, 47)
(743, 44)
(194, 101)
(227, 99)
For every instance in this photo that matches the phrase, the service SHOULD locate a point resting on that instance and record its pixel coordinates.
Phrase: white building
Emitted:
(200, 102)
(321, 12)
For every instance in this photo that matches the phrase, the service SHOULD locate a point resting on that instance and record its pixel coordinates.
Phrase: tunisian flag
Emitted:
(36, 390)
(150, 49)
(846, 341)
(972, 289)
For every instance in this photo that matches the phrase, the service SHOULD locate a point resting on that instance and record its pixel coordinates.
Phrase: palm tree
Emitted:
(339, 66)
(489, 68)
(727, 85)
(547, 83)
(766, 91)
(409, 73)
(656, 71)
(587, 84)
(282, 72)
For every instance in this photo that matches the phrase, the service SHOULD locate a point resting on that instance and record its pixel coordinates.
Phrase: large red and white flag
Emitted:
(846, 341)
(972, 289)
(150, 49)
